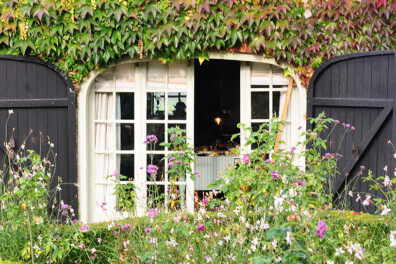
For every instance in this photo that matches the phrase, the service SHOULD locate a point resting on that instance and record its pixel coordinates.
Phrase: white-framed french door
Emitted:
(263, 92)
(167, 101)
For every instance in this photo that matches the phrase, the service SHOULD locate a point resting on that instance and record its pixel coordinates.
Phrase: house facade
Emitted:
(136, 67)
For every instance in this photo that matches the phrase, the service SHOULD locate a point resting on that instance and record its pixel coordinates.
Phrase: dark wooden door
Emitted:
(358, 89)
(43, 100)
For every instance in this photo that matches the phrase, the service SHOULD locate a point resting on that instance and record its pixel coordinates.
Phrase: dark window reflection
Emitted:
(157, 161)
(275, 103)
(125, 106)
(127, 163)
(126, 134)
(260, 105)
(177, 104)
(159, 131)
(255, 128)
(155, 106)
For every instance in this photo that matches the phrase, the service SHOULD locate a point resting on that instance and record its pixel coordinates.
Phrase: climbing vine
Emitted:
(81, 35)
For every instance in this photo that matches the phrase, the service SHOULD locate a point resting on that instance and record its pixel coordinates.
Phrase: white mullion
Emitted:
(190, 133)
(245, 99)
(165, 182)
(115, 151)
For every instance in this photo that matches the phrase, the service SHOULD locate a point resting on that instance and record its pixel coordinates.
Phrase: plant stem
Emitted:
(31, 237)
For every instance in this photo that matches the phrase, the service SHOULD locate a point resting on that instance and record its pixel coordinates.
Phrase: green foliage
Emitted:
(79, 36)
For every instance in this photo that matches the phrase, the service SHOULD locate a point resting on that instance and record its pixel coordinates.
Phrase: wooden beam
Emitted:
(345, 102)
(284, 112)
(28, 103)
(361, 148)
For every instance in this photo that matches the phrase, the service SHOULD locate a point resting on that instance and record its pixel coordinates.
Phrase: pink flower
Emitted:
(147, 230)
(201, 228)
(300, 182)
(125, 227)
(80, 245)
(320, 232)
(115, 173)
(171, 165)
(84, 228)
(246, 158)
(100, 240)
(178, 161)
(153, 213)
(205, 201)
(275, 175)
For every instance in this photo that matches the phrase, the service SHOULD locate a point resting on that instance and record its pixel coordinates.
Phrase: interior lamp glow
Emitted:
(218, 120)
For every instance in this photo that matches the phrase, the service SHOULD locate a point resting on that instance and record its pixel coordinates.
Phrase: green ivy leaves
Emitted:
(94, 33)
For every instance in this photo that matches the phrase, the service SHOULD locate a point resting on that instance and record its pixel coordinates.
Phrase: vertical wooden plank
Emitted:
(359, 75)
(327, 85)
(61, 88)
(11, 79)
(375, 77)
(366, 77)
(21, 79)
(41, 81)
(62, 151)
(72, 141)
(343, 81)
(31, 76)
(51, 83)
(318, 87)
(335, 80)
(3, 79)
(350, 93)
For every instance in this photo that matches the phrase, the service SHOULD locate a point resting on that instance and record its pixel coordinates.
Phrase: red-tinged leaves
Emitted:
(248, 16)
(84, 10)
(38, 12)
(268, 27)
(231, 3)
(381, 3)
(204, 6)
(189, 4)
(283, 24)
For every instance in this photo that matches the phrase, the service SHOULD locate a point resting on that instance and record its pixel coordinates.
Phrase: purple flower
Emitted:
(257, 167)
(337, 121)
(153, 213)
(151, 139)
(147, 230)
(116, 233)
(172, 159)
(171, 165)
(186, 163)
(292, 149)
(126, 227)
(200, 228)
(246, 158)
(178, 161)
(267, 160)
(347, 126)
(152, 169)
(204, 200)
(362, 167)
(115, 173)
(74, 221)
(65, 207)
(321, 231)
(275, 175)
(300, 182)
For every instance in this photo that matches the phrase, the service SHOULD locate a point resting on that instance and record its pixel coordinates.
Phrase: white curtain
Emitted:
(104, 162)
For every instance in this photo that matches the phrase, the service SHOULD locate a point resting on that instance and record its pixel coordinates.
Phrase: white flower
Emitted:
(392, 238)
(348, 262)
(330, 262)
(367, 201)
(227, 181)
(274, 243)
(220, 242)
(93, 250)
(387, 182)
(36, 247)
(339, 251)
(215, 192)
(386, 168)
(278, 259)
(10, 111)
(208, 259)
(385, 210)
(227, 238)
(350, 193)
(288, 238)
(255, 241)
